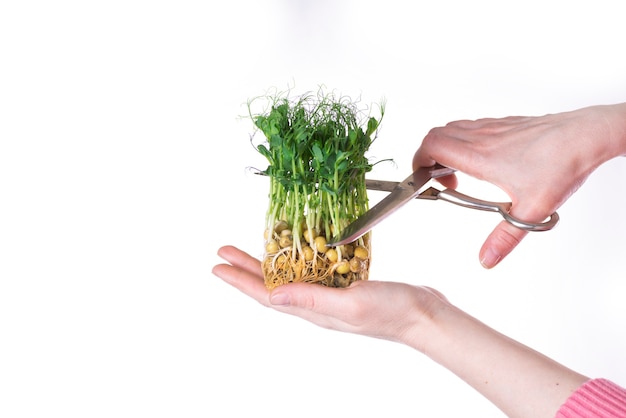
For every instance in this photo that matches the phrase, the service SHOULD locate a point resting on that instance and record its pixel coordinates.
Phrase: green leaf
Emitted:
(317, 153)
(326, 188)
(265, 152)
(372, 125)
(316, 146)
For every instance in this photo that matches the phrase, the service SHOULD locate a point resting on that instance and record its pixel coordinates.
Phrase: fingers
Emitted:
(468, 146)
(448, 146)
(244, 273)
(450, 181)
(504, 238)
(317, 304)
(241, 259)
(423, 158)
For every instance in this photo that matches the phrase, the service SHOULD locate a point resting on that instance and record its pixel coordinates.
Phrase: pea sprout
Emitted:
(316, 146)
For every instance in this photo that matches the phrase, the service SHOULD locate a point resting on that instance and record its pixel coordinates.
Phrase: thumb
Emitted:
(504, 238)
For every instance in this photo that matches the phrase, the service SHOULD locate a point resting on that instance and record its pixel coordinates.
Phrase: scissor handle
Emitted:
(458, 198)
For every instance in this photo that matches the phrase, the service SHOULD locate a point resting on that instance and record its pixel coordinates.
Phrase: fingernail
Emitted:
(490, 258)
(280, 299)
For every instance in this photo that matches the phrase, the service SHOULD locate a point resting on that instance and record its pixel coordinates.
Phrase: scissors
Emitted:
(417, 186)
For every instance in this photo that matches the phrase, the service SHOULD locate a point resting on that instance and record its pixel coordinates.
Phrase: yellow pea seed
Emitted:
(332, 255)
(280, 226)
(361, 252)
(343, 267)
(271, 247)
(285, 241)
(320, 244)
(356, 265)
(310, 235)
(308, 253)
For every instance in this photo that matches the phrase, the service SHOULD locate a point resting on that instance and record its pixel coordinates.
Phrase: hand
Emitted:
(363, 308)
(538, 161)
(518, 380)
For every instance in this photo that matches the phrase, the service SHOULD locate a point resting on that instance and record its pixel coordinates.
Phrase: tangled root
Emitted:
(292, 264)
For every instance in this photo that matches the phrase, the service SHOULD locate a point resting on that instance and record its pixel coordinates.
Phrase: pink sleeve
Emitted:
(597, 398)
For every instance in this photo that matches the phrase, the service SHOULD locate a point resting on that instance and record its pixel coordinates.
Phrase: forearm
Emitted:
(518, 380)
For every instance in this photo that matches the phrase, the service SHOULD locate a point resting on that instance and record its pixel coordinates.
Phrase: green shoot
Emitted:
(316, 146)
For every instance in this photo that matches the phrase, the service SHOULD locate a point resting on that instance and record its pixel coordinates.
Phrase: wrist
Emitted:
(425, 331)
(617, 128)
(608, 129)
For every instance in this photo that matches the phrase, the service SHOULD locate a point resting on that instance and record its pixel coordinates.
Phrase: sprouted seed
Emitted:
(316, 147)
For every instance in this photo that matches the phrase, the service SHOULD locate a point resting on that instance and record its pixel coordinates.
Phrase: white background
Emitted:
(123, 169)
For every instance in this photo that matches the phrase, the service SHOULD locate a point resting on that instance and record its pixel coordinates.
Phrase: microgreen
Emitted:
(316, 147)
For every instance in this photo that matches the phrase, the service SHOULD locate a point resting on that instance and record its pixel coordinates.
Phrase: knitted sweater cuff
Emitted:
(596, 398)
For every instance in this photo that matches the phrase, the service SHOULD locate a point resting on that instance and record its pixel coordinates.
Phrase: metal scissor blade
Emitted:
(402, 193)
(381, 185)
(436, 171)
